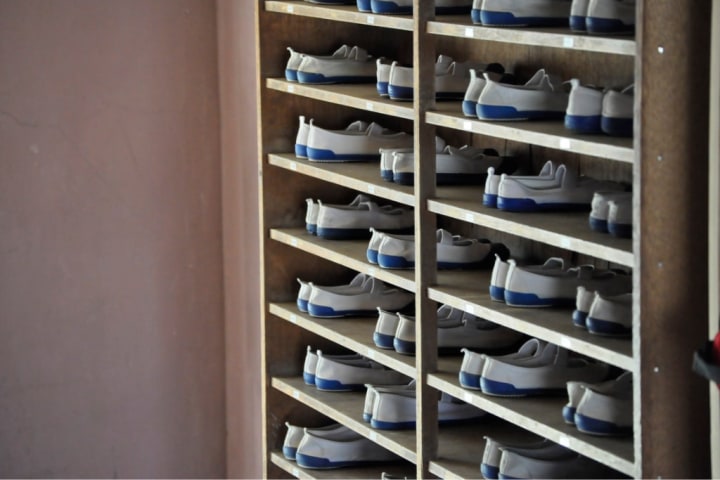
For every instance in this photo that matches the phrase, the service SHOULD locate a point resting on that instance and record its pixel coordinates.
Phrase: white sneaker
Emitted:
(617, 112)
(607, 408)
(311, 360)
(356, 67)
(382, 76)
(301, 139)
(404, 340)
(522, 13)
(454, 166)
(490, 464)
(387, 157)
(502, 268)
(295, 434)
(293, 63)
(305, 290)
(578, 14)
(337, 222)
(611, 17)
(619, 221)
(376, 239)
(400, 84)
(329, 303)
(575, 391)
(566, 191)
(584, 108)
(585, 297)
(405, 7)
(473, 362)
(385, 328)
(516, 464)
(352, 146)
(492, 183)
(336, 375)
(341, 450)
(311, 213)
(396, 409)
(372, 392)
(476, 84)
(542, 97)
(546, 373)
(600, 207)
(475, 333)
(610, 315)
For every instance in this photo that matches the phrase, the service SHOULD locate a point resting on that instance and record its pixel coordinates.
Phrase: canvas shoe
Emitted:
(454, 166)
(295, 433)
(492, 183)
(523, 13)
(490, 464)
(311, 360)
(531, 287)
(313, 208)
(356, 67)
(303, 295)
(304, 129)
(501, 269)
(584, 108)
(400, 83)
(542, 97)
(327, 303)
(611, 16)
(352, 146)
(293, 63)
(346, 449)
(575, 391)
(546, 373)
(585, 298)
(376, 239)
(396, 409)
(382, 75)
(578, 13)
(451, 79)
(356, 284)
(387, 157)
(337, 222)
(600, 206)
(617, 112)
(477, 83)
(620, 212)
(610, 315)
(372, 392)
(566, 191)
(473, 362)
(526, 464)
(339, 375)
(442, 7)
(404, 340)
(385, 328)
(607, 408)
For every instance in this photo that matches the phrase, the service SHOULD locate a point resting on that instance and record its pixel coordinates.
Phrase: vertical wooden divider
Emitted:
(714, 226)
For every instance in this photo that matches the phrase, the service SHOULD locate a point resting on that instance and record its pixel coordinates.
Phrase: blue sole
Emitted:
(530, 205)
(322, 311)
(502, 389)
(382, 340)
(497, 294)
(579, 318)
(583, 124)
(490, 200)
(516, 299)
(404, 347)
(392, 425)
(617, 127)
(503, 19)
(289, 453)
(568, 414)
(599, 427)
(603, 327)
(391, 261)
(469, 108)
(336, 385)
(607, 25)
(470, 381)
(620, 230)
(396, 92)
(508, 113)
(323, 155)
(598, 224)
(320, 79)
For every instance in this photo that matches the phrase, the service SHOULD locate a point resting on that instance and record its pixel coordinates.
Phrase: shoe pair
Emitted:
(605, 312)
(345, 65)
(550, 284)
(538, 459)
(604, 408)
(453, 166)
(451, 78)
(553, 189)
(362, 296)
(537, 368)
(521, 13)
(544, 96)
(333, 446)
(453, 251)
(603, 16)
(492, 182)
(455, 329)
(354, 220)
(612, 212)
(395, 408)
(360, 141)
(405, 7)
(343, 373)
(477, 83)
(594, 110)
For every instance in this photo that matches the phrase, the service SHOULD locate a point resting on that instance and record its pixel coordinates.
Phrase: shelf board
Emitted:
(543, 416)
(568, 230)
(371, 471)
(468, 291)
(342, 13)
(462, 26)
(360, 176)
(547, 133)
(355, 333)
(361, 96)
(350, 253)
(346, 408)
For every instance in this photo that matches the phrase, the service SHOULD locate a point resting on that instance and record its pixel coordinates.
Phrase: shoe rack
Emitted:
(667, 316)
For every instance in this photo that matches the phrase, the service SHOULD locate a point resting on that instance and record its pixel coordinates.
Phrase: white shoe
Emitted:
(372, 392)
(335, 374)
(296, 58)
(542, 97)
(473, 362)
(337, 222)
(295, 434)
(405, 7)
(342, 450)
(546, 373)
(575, 391)
(376, 239)
(611, 17)
(382, 76)
(352, 146)
(600, 207)
(387, 157)
(617, 112)
(476, 84)
(313, 208)
(610, 315)
(490, 464)
(385, 328)
(502, 271)
(475, 333)
(514, 464)
(311, 359)
(578, 14)
(400, 84)
(329, 303)
(607, 408)
(584, 108)
(619, 220)
(306, 289)
(492, 183)
(521, 13)
(454, 166)
(404, 340)
(301, 139)
(356, 67)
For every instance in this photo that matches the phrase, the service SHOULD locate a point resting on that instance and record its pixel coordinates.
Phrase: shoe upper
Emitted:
(364, 216)
(620, 211)
(609, 401)
(293, 63)
(516, 465)
(612, 308)
(353, 374)
(529, 8)
(619, 104)
(344, 143)
(357, 65)
(599, 205)
(542, 93)
(350, 447)
(372, 295)
(584, 101)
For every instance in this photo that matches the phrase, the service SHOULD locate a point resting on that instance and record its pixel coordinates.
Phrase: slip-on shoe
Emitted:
(337, 222)
(492, 183)
(606, 408)
(342, 450)
(340, 375)
(352, 145)
(356, 67)
(328, 303)
(473, 362)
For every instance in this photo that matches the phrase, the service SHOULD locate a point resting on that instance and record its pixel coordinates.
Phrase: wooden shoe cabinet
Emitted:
(289, 252)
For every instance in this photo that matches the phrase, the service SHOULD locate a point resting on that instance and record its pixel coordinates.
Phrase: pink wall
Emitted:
(112, 344)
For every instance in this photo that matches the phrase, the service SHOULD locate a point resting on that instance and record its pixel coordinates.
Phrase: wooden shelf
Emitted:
(543, 416)
(371, 471)
(462, 26)
(350, 253)
(347, 408)
(363, 96)
(348, 14)
(355, 333)
(551, 134)
(568, 230)
(468, 291)
(360, 176)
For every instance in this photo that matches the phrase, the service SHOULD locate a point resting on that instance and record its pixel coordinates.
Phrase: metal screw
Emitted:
(661, 49)
(656, 369)
(660, 265)
(659, 158)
